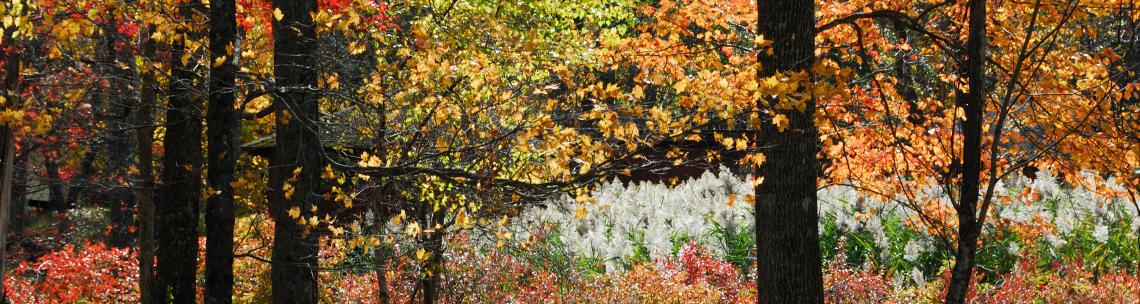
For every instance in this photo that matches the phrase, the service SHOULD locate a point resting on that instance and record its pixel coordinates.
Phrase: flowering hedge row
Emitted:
(691, 243)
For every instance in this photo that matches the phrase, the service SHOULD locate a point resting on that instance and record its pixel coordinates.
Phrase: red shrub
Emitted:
(91, 273)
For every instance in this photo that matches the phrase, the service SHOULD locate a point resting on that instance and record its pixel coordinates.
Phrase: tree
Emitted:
(295, 171)
(177, 215)
(7, 147)
(144, 120)
(996, 113)
(223, 145)
(787, 239)
(119, 72)
(972, 102)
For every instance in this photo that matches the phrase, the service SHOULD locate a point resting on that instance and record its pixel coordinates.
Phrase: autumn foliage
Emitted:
(85, 273)
(567, 151)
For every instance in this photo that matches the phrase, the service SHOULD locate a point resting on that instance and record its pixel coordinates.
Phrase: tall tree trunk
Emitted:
(788, 254)
(177, 216)
(145, 139)
(7, 153)
(119, 99)
(380, 215)
(298, 156)
(972, 103)
(223, 146)
(7, 156)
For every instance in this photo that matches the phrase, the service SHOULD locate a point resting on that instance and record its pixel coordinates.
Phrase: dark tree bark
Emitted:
(788, 254)
(969, 227)
(7, 153)
(223, 146)
(18, 205)
(59, 202)
(298, 160)
(80, 187)
(7, 156)
(176, 218)
(144, 120)
(119, 101)
(380, 216)
(381, 213)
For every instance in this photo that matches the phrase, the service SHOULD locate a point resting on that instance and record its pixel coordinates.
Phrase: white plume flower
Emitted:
(917, 276)
(1055, 241)
(1100, 233)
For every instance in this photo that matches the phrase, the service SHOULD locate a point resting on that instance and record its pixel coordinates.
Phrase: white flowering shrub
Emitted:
(644, 221)
(647, 220)
(1030, 216)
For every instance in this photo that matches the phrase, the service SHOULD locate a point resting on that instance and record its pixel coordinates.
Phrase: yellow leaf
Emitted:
(580, 213)
(771, 82)
(289, 191)
(757, 159)
(728, 142)
(680, 86)
(413, 229)
(781, 122)
(638, 92)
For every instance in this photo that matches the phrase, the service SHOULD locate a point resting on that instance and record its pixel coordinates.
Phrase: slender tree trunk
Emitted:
(380, 215)
(223, 146)
(7, 153)
(56, 196)
(145, 138)
(119, 99)
(972, 103)
(380, 261)
(433, 268)
(177, 215)
(788, 254)
(298, 157)
(18, 205)
(7, 156)
(80, 185)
